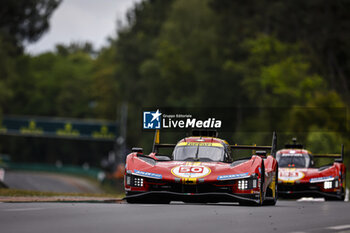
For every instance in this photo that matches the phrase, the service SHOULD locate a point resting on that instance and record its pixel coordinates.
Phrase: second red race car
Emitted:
(201, 169)
(299, 178)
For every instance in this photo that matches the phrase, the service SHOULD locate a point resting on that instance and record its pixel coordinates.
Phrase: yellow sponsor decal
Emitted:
(200, 144)
(193, 163)
(190, 181)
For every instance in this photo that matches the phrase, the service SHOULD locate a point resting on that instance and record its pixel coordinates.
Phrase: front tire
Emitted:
(273, 191)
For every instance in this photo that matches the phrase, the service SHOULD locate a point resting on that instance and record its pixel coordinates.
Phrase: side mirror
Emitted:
(137, 150)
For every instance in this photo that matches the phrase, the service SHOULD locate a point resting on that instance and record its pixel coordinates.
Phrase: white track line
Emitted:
(340, 227)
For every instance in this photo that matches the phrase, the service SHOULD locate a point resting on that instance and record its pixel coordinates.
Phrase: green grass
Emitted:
(5, 192)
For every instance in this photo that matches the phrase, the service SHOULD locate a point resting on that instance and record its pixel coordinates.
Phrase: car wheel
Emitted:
(273, 190)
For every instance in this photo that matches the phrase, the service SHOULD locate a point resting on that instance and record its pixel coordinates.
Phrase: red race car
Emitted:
(200, 170)
(299, 178)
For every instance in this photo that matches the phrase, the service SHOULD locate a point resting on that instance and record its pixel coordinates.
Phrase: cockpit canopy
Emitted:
(199, 151)
(293, 160)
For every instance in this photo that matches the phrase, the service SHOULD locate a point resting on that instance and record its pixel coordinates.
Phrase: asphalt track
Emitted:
(286, 216)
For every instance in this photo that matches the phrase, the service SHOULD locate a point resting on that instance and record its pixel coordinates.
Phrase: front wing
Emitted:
(288, 190)
(209, 197)
(221, 191)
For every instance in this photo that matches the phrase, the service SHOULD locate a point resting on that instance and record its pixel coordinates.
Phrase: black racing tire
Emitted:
(274, 192)
(262, 183)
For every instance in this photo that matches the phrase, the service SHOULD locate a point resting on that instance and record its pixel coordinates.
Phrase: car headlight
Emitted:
(135, 181)
(243, 184)
(327, 185)
(331, 184)
(247, 184)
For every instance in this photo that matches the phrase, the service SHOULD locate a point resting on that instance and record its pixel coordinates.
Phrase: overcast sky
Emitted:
(82, 20)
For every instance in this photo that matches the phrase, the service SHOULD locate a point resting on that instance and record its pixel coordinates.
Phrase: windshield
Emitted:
(198, 153)
(293, 160)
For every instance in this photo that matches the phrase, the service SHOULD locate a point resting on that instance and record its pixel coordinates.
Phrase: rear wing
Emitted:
(272, 148)
(157, 145)
(196, 132)
(338, 157)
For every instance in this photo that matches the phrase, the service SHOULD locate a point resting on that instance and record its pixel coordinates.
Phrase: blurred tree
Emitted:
(7, 71)
(136, 43)
(75, 47)
(105, 91)
(25, 20)
(187, 57)
(323, 27)
(20, 21)
(278, 74)
(60, 83)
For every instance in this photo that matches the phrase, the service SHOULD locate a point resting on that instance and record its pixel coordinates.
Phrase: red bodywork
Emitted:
(310, 181)
(200, 181)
